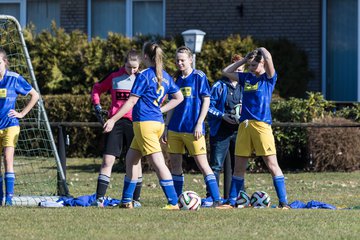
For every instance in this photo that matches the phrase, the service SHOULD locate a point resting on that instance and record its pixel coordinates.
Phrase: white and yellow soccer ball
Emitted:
(260, 199)
(189, 200)
(236, 112)
(243, 200)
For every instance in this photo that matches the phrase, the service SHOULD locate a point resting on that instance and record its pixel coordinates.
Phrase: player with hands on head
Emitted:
(185, 124)
(150, 87)
(118, 84)
(11, 85)
(225, 102)
(255, 132)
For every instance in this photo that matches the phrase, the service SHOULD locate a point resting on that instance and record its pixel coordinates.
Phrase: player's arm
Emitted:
(231, 70)
(97, 90)
(176, 99)
(216, 92)
(129, 104)
(268, 62)
(33, 100)
(199, 124)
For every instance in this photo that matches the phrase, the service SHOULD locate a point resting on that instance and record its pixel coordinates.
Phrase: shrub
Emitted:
(292, 67)
(68, 63)
(334, 149)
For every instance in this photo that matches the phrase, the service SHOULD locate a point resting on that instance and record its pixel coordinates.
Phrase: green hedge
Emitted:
(292, 142)
(69, 63)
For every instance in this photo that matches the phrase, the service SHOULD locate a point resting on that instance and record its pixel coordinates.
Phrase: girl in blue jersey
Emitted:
(185, 124)
(118, 83)
(255, 132)
(149, 89)
(11, 85)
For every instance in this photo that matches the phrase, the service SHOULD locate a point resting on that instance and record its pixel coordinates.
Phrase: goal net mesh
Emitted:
(36, 164)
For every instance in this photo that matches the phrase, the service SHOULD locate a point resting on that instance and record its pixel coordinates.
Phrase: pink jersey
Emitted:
(119, 83)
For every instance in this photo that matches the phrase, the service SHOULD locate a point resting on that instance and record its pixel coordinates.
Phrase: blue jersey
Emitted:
(185, 116)
(10, 87)
(257, 96)
(150, 95)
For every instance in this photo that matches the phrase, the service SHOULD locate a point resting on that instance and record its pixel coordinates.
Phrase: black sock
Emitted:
(137, 191)
(102, 185)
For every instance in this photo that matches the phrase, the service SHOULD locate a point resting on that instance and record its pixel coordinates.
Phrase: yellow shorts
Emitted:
(147, 137)
(178, 141)
(255, 136)
(9, 137)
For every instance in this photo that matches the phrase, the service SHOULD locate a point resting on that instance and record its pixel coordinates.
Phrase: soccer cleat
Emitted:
(284, 206)
(225, 206)
(8, 202)
(207, 202)
(171, 207)
(98, 203)
(128, 205)
(136, 204)
(220, 205)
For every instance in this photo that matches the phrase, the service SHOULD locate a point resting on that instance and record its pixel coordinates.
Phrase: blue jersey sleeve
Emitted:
(204, 84)
(22, 86)
(272, 80)
(215, 100)
(140, 85)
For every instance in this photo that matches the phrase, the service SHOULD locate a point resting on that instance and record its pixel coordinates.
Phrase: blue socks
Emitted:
(237, 184)
(178, 183)
(211, 184)
(279, 184)
(169, 190)
(9, 185)
(128, 190)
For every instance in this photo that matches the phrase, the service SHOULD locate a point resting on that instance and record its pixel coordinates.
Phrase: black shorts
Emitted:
(119, 138)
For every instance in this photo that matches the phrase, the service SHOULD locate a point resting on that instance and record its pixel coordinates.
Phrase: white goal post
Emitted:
(37, 165)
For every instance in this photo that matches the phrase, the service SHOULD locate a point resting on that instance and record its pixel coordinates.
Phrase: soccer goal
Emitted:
(38, 171)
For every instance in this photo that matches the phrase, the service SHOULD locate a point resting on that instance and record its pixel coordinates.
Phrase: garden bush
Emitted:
(291, 142)
(334, 149)
(67, 63)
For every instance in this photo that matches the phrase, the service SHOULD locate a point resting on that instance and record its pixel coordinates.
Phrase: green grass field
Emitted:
(150, 222)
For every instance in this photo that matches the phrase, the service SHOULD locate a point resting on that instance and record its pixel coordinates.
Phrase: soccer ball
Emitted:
(243, 200)
(189, 200)
(260, 199)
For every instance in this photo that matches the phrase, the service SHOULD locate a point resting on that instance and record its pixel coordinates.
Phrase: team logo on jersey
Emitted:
(3, 92)
(249, 87)
(186, 91)
(122, 95)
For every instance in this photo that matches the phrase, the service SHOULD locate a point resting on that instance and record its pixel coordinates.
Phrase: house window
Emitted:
(42, 12)
(341, 53)
(127, 17)
(15, 8)
(107, 16)
(147, 17)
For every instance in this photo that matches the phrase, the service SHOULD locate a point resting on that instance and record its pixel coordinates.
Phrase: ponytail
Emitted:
(155, 54)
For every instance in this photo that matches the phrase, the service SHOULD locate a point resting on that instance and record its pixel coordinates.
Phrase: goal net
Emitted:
(37, 165)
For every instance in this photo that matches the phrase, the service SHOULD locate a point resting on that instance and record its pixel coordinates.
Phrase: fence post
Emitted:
(62, 156)
(227, 175)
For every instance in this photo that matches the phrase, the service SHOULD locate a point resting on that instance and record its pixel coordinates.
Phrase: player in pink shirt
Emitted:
(119, 84)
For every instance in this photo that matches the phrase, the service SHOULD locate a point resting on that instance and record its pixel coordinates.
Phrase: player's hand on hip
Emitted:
(109, 125)
(14, 114)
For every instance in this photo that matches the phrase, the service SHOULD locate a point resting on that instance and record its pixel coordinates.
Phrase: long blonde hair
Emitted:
(156, 55)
